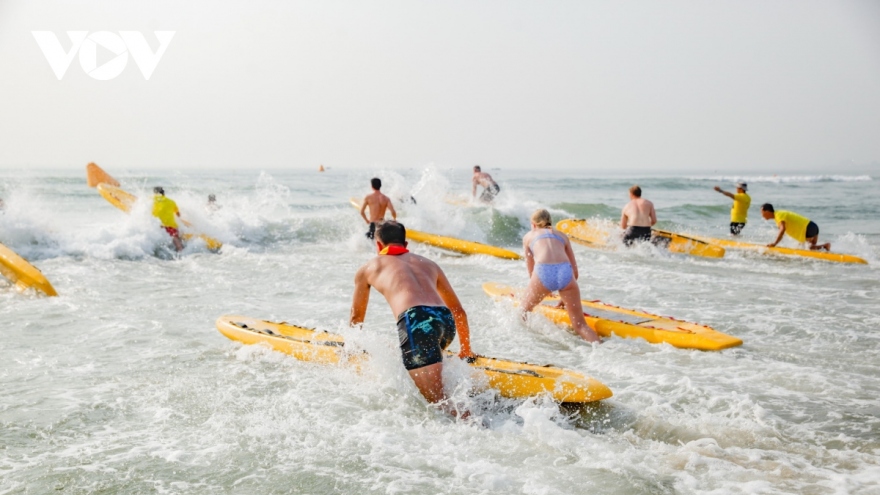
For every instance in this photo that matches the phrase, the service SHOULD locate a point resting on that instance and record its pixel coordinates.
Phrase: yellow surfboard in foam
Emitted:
(510, 378)
(783, 251)
(452, 243)
(23, 274)
(594, 234)
(125, 201)
(606, 319)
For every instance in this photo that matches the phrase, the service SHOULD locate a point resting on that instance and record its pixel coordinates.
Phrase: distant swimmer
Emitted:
(490, 188)
(637, 218)
(740, 211)
(378, 203)
(212, 205)
(552, 267)
(800, 228)
(165, 210)
(428, 312)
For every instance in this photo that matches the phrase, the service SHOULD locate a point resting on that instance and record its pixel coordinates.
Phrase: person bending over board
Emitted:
(800, 228)
(740, 211)
(552, 267)
(637, 218)
(428, 311)
(490, 187)
(165, 210)
(377, 202)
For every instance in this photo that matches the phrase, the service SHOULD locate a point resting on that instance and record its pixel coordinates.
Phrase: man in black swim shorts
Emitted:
(637, 218)
(429, 312)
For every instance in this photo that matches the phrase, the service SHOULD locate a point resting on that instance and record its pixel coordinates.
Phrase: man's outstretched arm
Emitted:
(360, 299)
(444, 288)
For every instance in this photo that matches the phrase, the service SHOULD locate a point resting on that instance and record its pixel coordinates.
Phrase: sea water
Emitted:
(123, 385)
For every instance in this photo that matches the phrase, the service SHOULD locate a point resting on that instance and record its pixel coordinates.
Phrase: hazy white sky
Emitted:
(690, 85)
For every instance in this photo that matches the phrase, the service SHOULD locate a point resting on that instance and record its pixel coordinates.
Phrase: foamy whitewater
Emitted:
(123, 385)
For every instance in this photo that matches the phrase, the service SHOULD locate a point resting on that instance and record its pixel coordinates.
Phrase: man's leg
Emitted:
(815, 247)
(428, 380)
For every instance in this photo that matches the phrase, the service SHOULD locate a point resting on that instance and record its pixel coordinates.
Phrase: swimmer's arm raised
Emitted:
(360, 299)
(444, 288)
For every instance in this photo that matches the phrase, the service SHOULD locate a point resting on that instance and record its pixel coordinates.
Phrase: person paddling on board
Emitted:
(637, 218)
(378, 203)
(552, 267)
(428, 312)
(740, 210)
(800, 228)
(490, 187)
(165, 210)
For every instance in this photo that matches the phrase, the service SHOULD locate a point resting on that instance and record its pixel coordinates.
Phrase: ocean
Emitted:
(123, 385)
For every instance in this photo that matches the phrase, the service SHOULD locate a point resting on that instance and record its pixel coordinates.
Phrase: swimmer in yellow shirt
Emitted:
(165, 210)
(800, 228)
(740, 211)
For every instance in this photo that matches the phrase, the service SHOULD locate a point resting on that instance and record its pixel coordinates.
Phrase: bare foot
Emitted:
(560, 305)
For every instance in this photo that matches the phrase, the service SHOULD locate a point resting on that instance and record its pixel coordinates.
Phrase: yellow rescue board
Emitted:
(595, 235)
(96, 175)
(510, 378)
(606, 320)
(23, 274)
(453, 244)
(125, 201)
(806, 253)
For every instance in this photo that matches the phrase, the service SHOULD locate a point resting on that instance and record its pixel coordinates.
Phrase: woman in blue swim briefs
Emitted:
(552, 268)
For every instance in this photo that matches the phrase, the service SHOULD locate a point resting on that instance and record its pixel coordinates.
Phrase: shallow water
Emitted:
(123, 385)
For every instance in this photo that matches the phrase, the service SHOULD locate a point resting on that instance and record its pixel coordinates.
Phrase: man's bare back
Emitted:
(378, 203)
(406, 280)
(638, 213)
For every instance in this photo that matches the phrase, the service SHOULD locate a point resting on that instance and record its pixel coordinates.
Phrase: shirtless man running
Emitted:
(428, 311)
(638, 217)
(377, 202)
(490, 188)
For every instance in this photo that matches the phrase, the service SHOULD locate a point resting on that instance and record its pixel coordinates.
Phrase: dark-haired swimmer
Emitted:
(552, 267)
(377, 203)
(637, 218)
(428, 312)
(799, 228)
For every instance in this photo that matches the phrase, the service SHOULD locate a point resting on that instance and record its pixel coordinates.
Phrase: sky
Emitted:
(771, 86)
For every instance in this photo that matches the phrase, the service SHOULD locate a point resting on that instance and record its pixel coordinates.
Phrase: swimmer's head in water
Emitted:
(376, 183)
(541, 218)
(212, 198)
(391, 232)
(477, 168)
(159, 190)
(636, 191)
